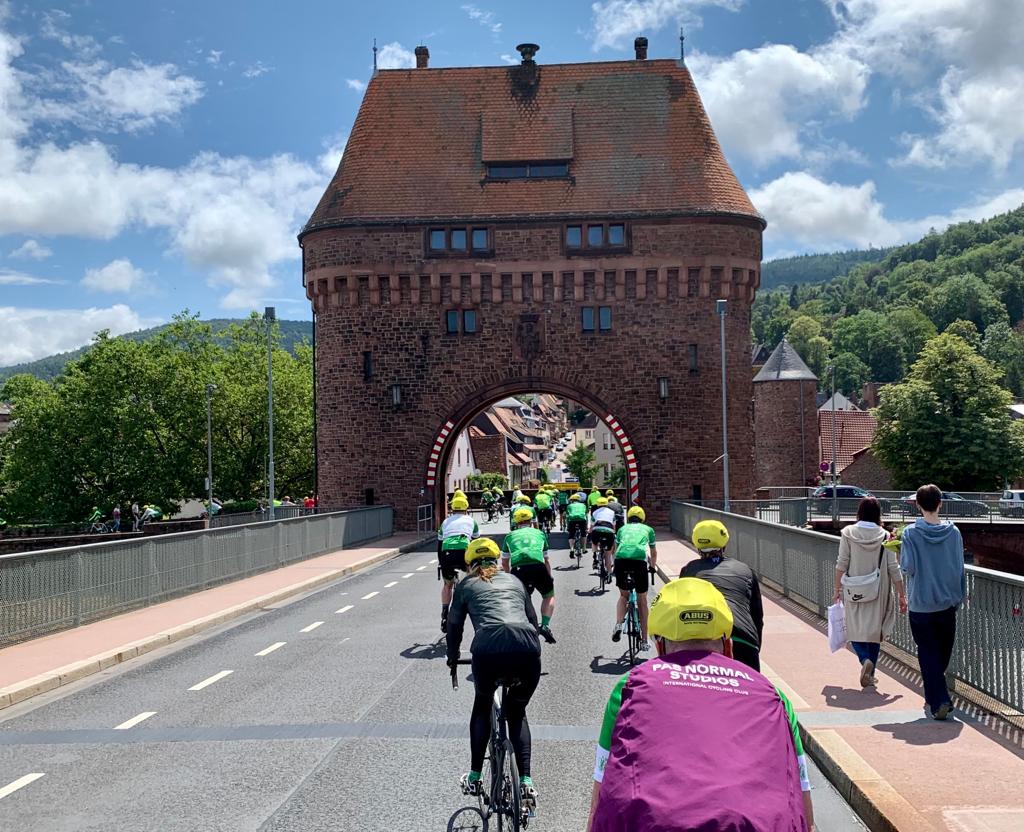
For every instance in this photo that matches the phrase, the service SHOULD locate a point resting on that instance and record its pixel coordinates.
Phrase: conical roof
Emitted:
(785, 364)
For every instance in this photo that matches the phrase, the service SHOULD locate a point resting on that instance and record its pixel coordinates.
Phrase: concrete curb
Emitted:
(27, 688)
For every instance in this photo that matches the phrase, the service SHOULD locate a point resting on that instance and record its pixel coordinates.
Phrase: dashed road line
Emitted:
(311, 627)
(388, 586)
(272, 648)
(21, 782)
(343, 609)
(135, 720)
(407, 575)
(421, 568)
(432, 561)
(368, 596)
(216, 677)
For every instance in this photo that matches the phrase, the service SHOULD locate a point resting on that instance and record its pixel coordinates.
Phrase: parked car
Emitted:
(1011, 504)
(848, 497)
(953, 505)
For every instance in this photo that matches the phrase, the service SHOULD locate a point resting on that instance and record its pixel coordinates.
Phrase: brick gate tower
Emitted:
(561, 228)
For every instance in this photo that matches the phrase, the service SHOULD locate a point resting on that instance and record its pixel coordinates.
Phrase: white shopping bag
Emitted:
(836, 627)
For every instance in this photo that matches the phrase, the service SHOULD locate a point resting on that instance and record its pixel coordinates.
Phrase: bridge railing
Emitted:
(797, 511)
(54, 589)
(800, 564)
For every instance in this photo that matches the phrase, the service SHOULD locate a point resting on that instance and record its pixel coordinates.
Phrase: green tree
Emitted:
(966, 297)
(949, 423)
(616, 477)
(966, 330)
(870, 336)
(581, 464)
(851, 374)
(1004, 347)
(804, 335)
(912, 330)
(542, 476)
(479, 482)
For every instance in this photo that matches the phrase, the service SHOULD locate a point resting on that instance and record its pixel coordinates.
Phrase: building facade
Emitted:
(501, 230)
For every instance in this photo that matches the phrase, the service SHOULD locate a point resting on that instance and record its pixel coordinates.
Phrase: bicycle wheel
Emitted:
(602, 569)
(508, 807)
(633, 631)
(467, 819)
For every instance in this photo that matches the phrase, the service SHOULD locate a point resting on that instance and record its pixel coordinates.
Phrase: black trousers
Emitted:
(934, 633)
(743, 652)
(488, 669)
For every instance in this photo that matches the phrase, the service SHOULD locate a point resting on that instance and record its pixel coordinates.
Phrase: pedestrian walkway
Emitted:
(898, 769)
(33, 667)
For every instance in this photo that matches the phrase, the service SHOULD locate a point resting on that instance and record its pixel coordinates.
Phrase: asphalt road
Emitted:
(279, 722)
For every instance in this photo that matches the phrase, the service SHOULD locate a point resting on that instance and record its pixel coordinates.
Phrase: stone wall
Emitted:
(489, 454)
(781, 445)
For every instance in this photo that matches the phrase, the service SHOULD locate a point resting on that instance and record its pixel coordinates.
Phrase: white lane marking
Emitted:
(421, 568)
(135, 720)
(407, 575)
(311, 627)
(388, 586)
(272, 648)
(344, 639)
(369, 596)
(343, 609)
(10, 788)
(216, 677)
(432, 561)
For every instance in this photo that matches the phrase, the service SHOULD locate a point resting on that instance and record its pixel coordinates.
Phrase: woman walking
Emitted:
(866, 575)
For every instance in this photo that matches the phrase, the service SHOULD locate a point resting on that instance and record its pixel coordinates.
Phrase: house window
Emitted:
(469, 321)
(367, 365)
(458, 456)
(458, 239)
(588, 318)
(480, 239)
(528, 170)
(616, 234)
(605, 315)
(694, 368)
(467, 318)
(573, 236)
(598, 237)
(451, 318)
(595, 236)
(437, 239)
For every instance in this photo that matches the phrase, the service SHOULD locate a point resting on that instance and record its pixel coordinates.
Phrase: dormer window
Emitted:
(527, 170)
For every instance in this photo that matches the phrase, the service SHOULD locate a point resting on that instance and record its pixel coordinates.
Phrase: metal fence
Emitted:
(54, 589)
(425, 518)
(989, 654)
(245, 517)
(797, 511)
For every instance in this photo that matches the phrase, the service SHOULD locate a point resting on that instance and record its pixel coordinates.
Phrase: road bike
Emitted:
(602, 543)
(631, 622)
(576, 547)
(501, 797)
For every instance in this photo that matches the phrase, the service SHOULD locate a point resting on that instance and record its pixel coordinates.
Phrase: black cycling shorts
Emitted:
(606, 532)
(535, 576)
(545, 514)
(577, 524)
(637, 569)
(452, 561)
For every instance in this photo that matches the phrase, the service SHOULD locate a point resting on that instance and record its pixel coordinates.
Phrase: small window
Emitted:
(452, 322)
(595, 236)
(437, 239)
(367, 365)
(573, 236)
(508, 171)
(606, 318)
(694, 367)
(588, 318)
(479, 239)
(469, 321)
(548, 169)
(458, 239)
(616, 235)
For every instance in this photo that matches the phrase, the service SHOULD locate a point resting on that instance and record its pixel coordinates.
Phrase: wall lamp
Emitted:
(663, 388)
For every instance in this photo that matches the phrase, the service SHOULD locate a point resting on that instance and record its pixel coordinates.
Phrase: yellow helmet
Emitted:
(609, 493)
(593, 488)
(636, 512)
(522, 515)
(483, 548)
(689, 609)
(709, 535)
(574, 498)
(460, 503)
(601, 501)
(458, 493)
(524, 499)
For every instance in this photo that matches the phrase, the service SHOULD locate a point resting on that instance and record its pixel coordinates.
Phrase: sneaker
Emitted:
(444, 623)
(617, 632)
(645, 646)
(547, 634)
(470, 786)
(529, 795)
(943, 711)
(866, 671)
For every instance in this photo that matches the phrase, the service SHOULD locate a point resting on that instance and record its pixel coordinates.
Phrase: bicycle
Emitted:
(601, 546)
(501, 797)
(576, 547)
(631, 623)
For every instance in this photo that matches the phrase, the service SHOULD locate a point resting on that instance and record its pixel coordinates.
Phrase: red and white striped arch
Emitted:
(435, 453)
(632, 477)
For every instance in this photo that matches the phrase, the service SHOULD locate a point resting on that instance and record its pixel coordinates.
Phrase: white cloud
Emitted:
(31, 250)
(9, 278)
(117, 276)
(35, 333)
(509, 59)
(334, 147)
(484, 18)
(213, 56)
(760, 99)
(355, 84)
(616, 22)
(825, 216)
(257, 69)
(395, 56)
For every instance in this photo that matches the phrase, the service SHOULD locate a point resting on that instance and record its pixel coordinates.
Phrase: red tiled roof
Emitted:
(854, 431)
(635, 133)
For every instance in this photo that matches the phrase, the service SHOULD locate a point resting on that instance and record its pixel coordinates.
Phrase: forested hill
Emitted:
(816, 268)
(292, 333)
(876, 318)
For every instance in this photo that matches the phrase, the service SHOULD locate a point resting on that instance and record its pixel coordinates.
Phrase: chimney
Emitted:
(422, 57)
(528, 50)
(640, 45)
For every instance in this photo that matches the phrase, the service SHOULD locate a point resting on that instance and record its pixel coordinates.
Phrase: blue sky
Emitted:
(162, 156)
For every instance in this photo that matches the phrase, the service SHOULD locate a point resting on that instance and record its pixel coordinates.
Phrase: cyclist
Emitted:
(523, 501)
(563, 504)
(499, 495)
(95, 520)
(454, 535)
(737, 582)
(149, 512)
(487, 500)
(505, 649)
(620, 511)
(545, 513)
(631, 544)
(602, 527)
(703, 733)
(576, 517)
(593, 497)
(524, 553)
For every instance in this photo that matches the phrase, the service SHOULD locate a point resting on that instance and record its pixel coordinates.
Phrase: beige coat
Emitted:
(858, 555)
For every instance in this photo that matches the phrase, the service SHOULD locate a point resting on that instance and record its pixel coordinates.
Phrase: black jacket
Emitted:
(738, 583)
(503, 617)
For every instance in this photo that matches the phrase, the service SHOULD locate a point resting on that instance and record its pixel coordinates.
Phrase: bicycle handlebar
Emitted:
(455, 671)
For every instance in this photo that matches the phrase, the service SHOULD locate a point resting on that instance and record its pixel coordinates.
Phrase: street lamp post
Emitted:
(721, 305)
(210, 390)
(835, 502)
(269, 317)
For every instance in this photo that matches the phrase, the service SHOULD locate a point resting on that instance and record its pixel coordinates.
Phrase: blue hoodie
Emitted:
(932, 557)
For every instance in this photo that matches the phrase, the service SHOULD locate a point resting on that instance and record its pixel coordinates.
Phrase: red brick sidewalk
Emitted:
(898, 769)
(35, 666)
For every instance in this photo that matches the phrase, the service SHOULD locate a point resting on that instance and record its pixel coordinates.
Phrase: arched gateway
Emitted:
(495, 230)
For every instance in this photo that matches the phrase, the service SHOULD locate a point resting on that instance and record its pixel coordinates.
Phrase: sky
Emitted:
(157, 157)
